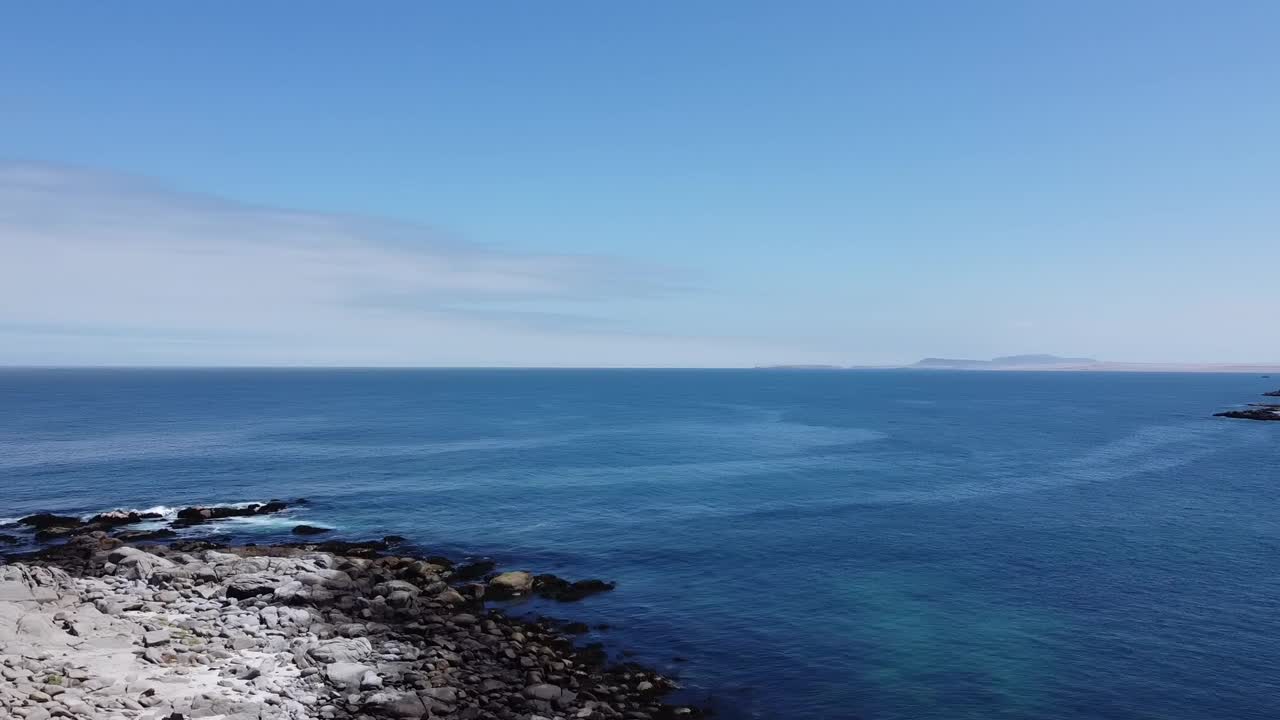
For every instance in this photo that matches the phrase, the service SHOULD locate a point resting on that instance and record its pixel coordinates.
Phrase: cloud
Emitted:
(103, 269)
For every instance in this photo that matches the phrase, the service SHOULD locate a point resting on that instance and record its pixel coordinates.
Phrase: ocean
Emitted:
(886, 545)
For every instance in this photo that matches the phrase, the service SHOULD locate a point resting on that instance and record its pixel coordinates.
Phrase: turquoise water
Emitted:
(811, 544)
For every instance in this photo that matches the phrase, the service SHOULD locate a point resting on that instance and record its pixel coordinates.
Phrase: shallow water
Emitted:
(815, 544)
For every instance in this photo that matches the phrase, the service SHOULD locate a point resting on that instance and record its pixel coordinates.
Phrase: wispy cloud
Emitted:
(99, 268)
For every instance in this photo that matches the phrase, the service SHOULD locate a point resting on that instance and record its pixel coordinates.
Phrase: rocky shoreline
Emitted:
(100, 627)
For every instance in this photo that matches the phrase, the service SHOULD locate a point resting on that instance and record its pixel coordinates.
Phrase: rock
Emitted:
(241, 587)
(58, 532)
(1257, 412)
(346, 674)
(145, 535)
(310, 530)
(8, 539)
(196, 515)
(342, 650)
(550, 586)
(397, 705)
(366, 549)
(155, 637)
(449, 596)
(116, 518)
(474, 571)
(443, 694)
(543, 691)
(370, 681)
(42, 521)
(137, 564)
(509, 584)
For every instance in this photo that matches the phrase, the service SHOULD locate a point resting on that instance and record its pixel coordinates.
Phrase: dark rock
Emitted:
(116, 518)
(1257, 412)
(559, 589)
(310, 530)
(1273, 393)
(196, 515)
(393, 539)
(58, 533)
(8, 540)
(474, 570)
(365, 549)
(145, 535)
(42, 521)
(191, 546)
(273, 506)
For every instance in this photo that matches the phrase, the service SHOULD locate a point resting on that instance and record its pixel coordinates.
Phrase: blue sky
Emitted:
(587, 183)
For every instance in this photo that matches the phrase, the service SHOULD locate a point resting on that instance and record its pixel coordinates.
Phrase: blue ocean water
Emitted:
(881, 545)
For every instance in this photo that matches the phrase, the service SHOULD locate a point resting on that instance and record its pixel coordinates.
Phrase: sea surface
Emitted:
(886, 545)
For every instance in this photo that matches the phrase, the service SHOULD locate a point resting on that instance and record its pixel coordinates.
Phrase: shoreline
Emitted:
(115, 629)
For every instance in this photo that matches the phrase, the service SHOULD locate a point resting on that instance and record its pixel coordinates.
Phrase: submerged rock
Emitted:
(310, 530)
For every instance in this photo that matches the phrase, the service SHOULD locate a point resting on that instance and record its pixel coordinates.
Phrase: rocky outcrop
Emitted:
(1253, 412)
(197, 515)
(93, 629)
(1273, 393)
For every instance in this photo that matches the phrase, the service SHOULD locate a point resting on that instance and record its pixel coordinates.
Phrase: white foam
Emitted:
(166, 512)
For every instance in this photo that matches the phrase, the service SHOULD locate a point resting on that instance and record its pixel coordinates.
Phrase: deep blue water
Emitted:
(881, 545)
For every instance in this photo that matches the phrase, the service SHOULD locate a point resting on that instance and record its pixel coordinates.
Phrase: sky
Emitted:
(582, 183)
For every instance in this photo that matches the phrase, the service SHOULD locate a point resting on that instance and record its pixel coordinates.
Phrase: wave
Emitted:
(165, 512)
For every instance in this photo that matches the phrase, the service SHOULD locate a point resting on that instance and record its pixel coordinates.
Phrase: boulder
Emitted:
(543, 691)
(348, 650)
(559, 589)
(138, 564)
(509, 584)
(396, 705)
(251, 585)
(347, 675)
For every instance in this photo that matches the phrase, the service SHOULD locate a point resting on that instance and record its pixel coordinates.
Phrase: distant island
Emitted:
(1046, 362)
(1007, 362)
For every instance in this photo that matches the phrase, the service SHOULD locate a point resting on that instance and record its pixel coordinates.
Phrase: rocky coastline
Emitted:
(107, 622)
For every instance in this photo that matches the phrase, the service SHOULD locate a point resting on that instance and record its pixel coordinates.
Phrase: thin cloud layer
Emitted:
(102, 269)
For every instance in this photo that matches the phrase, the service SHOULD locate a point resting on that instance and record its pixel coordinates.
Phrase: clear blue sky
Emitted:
(664, 183)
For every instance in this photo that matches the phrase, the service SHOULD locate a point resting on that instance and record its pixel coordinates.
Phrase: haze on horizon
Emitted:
(661, 184)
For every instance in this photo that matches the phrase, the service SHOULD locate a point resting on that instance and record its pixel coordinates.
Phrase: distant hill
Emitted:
(1007, 362)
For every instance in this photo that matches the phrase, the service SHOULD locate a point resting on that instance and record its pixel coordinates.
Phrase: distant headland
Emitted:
(1045, 362)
